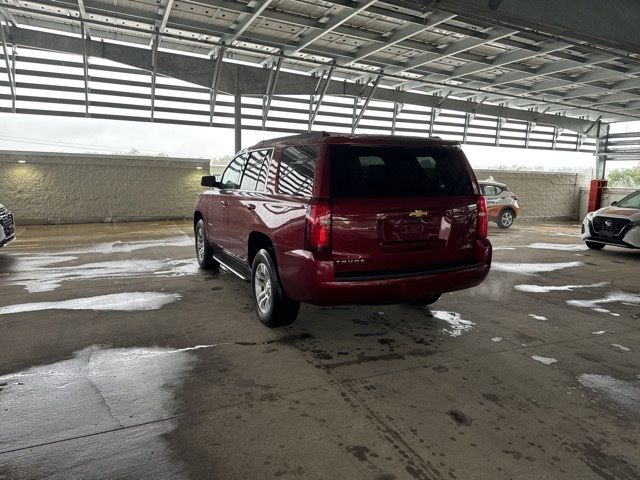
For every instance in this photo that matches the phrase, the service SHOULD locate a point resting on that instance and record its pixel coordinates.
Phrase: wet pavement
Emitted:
(119, 359)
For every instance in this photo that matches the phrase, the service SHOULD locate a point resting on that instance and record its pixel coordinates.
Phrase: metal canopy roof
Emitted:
(440, 57)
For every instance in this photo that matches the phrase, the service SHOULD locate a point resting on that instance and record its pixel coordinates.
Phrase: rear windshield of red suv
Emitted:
(366, 172)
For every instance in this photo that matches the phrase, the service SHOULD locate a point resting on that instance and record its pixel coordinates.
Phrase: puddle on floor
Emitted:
(123, 302)
(556, 288)
(630, 299)
(43, 274)
(622, 392)
(566, 247)
(99, 389)
(456, 325)
(531, 268)
(126, 247)
(544, 360)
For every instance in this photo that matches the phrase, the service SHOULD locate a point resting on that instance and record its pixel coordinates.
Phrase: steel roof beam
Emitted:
(500, 60)
(166, 13)
(4, 13)
(588, 91)
(453, 48)
(400, 34)
(546, 69)
(613, 23)
(245, 20)
(344, 15)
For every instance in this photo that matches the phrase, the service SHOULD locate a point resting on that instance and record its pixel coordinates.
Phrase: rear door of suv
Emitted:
(399, 210)
(245, 203)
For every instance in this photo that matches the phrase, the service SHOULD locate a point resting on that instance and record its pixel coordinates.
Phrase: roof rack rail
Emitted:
(300, 136)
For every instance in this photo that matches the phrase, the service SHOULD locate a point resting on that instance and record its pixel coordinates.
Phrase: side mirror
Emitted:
(209, 181)
(613, 204)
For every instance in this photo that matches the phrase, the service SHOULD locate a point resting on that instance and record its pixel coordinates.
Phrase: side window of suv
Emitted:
(297, 169)
(255, 173)
(492, 190)
(231, 177)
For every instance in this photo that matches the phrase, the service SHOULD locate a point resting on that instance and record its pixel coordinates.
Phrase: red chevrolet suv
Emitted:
(334, 219)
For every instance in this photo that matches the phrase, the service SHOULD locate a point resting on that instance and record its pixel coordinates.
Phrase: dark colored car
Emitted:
(335, 219)
(7, 226)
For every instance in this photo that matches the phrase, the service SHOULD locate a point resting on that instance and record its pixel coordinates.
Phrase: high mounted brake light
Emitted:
(482, 227)
(318, 227)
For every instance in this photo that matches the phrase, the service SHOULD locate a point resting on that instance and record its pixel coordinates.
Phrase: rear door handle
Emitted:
(224, 203)
(250, 206)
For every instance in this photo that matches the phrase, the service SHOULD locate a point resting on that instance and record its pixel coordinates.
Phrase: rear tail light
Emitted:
(482, 227)
(515, 197)
(318, 227)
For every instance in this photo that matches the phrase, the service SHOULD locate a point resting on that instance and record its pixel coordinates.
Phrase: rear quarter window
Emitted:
(365, 172)
(297, 170)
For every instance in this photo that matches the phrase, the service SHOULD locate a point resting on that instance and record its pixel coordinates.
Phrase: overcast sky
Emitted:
(42, 133)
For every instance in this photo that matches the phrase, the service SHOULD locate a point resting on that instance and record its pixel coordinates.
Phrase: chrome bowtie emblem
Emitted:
(608, 223)
(418, 214)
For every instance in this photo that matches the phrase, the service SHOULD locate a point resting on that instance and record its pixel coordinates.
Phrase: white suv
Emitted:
(502, 203)
(7, 226)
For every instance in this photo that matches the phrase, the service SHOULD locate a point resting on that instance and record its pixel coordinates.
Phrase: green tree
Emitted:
(629, 177)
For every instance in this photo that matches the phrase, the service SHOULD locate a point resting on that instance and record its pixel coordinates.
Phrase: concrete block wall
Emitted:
(69, 188)
(610, 194)
(73, 188)
(542, 194)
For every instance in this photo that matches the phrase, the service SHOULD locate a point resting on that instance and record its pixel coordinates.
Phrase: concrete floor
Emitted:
(181, 381)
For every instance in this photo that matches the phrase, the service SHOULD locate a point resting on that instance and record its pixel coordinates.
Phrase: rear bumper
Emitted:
(309, 280)
(7, 240)
(628, 238)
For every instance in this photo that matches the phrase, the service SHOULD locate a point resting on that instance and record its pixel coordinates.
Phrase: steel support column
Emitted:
(601, 146)
(271, 88)
(374, 87)
(465, 132)
(11, 77)
(499, 124)
(85, 67)
(323, 92)
(432, 120)
(397, 108)
(237, 121)
(154, 73)
(215, 79)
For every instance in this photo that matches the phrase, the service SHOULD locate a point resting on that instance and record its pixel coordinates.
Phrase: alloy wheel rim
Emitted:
(507, 219)
(200, 243)
(263, 289)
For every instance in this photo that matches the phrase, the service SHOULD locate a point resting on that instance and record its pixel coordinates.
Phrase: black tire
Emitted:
(595, 245)
(506, 218)
(421, 302)
(277, 310)
(204, 251)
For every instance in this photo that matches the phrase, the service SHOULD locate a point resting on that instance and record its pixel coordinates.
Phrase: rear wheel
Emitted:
(273, 308)
(506, 218)
(595, 245)
(204, 251)
(421, 302)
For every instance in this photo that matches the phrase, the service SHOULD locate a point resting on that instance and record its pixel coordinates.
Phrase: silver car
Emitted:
(617, 225)
(7, 226)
